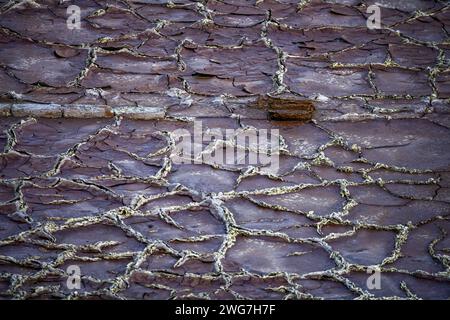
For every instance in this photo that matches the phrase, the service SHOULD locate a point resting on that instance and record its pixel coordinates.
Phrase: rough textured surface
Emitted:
(365, 184)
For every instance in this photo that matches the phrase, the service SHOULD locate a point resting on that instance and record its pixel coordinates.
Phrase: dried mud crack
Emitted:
(87, 129)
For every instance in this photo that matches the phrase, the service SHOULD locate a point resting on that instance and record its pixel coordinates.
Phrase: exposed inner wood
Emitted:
(281, 108)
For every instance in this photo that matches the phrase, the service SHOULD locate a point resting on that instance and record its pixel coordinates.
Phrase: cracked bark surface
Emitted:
(364, 184)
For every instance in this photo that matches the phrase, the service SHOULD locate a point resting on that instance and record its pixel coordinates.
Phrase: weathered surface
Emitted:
(365, 184)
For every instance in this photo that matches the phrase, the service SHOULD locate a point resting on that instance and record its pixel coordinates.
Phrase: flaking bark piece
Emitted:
(283, 108)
